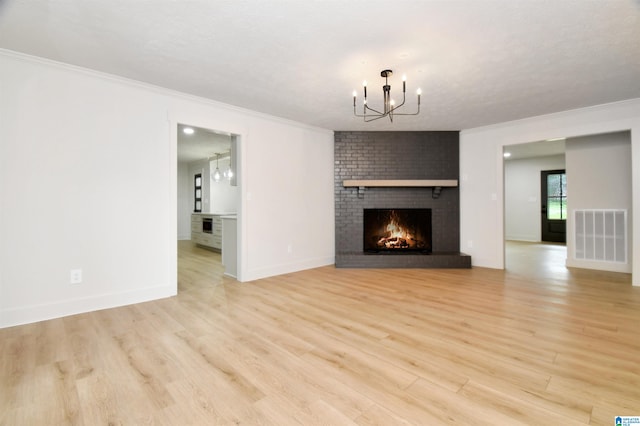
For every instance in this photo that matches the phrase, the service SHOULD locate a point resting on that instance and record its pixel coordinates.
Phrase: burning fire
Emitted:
(397, 236)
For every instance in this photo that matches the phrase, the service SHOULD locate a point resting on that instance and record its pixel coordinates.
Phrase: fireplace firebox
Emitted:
(397, 230)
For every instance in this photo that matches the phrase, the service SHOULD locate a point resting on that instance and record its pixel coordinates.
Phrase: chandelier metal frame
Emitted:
(389, 106)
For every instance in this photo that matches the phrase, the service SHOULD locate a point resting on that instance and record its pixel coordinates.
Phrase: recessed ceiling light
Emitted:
(507, 154)
(188, 130)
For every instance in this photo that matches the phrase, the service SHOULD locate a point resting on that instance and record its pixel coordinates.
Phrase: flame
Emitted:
(397, 236)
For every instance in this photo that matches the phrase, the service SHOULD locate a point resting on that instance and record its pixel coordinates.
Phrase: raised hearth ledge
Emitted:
(404, 260)
(402, 182)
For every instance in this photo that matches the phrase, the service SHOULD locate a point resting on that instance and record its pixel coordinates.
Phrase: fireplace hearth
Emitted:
(397, 231)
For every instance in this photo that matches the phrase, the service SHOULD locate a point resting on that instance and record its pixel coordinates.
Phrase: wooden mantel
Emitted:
(437, 185)
(425, 183)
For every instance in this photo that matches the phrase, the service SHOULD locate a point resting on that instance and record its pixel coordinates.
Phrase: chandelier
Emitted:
(370, 114)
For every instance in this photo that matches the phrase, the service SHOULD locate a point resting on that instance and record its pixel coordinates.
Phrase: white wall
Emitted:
(223, 197)
(285, 182)
(185, 202)
(481, 171)
(88, 179)
(598, 177)
(522, 195)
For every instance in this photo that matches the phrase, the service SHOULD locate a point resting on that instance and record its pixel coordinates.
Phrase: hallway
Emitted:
(536, 259)
(546, 263)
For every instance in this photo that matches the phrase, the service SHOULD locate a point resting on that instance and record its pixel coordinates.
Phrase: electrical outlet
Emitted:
(76, 276)
(469, 243)
(290, 248)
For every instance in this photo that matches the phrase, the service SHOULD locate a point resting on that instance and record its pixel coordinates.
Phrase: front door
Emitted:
(553, 185)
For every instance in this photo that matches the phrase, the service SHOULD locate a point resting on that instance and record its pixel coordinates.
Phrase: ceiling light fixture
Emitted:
(229, 173)
(216, 175)
(188, 130)
(389, 105)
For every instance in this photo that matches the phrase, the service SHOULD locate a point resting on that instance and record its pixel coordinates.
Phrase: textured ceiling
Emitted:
(477, 62)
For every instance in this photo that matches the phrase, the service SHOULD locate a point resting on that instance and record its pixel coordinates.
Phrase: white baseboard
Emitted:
(34, 313)
(287, 268)
(525, 238)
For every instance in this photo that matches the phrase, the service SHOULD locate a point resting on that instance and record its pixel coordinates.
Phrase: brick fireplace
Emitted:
(393, 157)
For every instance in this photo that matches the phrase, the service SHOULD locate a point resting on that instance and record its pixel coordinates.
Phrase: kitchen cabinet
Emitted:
(230, 245)
(206, 230)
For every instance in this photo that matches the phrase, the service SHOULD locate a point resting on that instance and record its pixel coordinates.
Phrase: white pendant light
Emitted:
(216, 174)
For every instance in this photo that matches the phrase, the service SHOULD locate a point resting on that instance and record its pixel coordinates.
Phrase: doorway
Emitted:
(524, 198)
(553, 203)
(208, 194)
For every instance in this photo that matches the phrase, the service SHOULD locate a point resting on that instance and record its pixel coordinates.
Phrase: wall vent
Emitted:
(601, 235)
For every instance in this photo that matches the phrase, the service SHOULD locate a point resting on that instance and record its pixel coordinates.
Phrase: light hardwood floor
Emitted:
(530, 345)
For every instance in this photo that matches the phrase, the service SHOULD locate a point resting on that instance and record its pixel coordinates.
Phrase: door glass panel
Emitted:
(557, 197)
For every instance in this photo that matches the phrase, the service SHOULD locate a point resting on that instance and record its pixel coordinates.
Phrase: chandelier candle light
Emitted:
(389, 105)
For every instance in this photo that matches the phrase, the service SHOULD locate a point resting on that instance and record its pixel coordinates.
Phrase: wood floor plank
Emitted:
(530, 345)
(380, 416)
(526, 406)
(457, 408)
